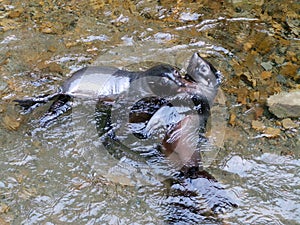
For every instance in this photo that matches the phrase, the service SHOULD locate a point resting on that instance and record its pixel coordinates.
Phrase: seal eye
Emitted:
(203, 69)
(176, 73)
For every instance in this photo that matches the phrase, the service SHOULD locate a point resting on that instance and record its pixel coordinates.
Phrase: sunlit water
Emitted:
(63, 174)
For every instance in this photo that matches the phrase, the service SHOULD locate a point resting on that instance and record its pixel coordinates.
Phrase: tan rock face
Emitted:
(285, 104)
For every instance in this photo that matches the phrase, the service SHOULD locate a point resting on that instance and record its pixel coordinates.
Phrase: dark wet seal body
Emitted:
(185, 132)
(105, 83)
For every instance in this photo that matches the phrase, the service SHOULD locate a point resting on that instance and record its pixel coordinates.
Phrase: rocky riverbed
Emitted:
(255, 44)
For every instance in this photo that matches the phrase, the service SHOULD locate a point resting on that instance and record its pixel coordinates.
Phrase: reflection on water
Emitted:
(62, 174)
(270, 185)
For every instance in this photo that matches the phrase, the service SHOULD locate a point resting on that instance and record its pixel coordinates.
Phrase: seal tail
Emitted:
(30, 104)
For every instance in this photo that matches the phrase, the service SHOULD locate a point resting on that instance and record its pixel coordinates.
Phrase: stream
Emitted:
(62, 174)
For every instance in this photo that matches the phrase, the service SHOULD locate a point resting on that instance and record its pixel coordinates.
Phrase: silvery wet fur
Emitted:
(205, 75)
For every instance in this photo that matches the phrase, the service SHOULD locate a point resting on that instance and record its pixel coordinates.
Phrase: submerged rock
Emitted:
(289, 124)
(285, 104)
(3, 85)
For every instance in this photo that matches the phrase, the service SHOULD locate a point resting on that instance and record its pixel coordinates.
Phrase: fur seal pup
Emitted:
(105, 83)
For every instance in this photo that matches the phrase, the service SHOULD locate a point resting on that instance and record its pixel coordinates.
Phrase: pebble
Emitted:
(257, 125)
(3, 85)
(279, 60)
(266, 74)
(288, 124)
(267, 65)
(271, 132)
(10, 122)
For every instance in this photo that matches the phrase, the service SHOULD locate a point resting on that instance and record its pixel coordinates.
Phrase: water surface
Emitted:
(62, 174)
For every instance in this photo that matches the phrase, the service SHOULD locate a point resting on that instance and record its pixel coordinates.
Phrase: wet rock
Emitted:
(271, 132)
(10, 123)
(267, 65)
(268, 132)
(48, 28)
(52, 27)
(248, 79)
(254, 96)
(289, 124)
(15, 13)
(4, 208)
(3, 85)
(232, 119)
(8, 24)
(289, 70)
(292, 56)
(294, 25)
(188, 16)
(281, 79)
(257, 125)
(50, 67)
(3, 222)
(287, 152)
(279, 60)
(55, 68)
(71, 44)
(266, 74)
(247, 46)
(285, 104)
(242, 95)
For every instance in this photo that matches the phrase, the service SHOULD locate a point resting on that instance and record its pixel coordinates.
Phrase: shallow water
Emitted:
(62, 174)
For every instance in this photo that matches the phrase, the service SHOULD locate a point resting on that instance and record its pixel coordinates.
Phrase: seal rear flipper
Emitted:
(27, 104)
(60, 105)
(30, 104)
(195, 195)
(107, 134)
(210, 189)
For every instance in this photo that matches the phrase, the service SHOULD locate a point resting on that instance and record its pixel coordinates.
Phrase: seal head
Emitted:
(202, 72)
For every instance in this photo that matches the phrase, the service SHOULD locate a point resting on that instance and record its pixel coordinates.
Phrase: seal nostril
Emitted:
(219, 77)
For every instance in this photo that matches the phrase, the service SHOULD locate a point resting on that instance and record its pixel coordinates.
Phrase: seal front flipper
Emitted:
(147, 115)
